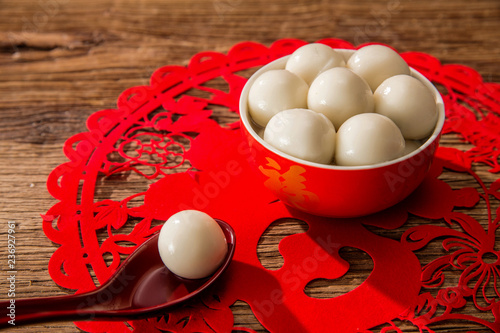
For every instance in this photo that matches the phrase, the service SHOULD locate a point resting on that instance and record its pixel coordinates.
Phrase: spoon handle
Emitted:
(68, 307)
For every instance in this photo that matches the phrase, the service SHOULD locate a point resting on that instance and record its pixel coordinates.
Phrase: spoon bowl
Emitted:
(141, 287)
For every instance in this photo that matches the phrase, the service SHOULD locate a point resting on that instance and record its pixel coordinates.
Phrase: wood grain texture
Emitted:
(62, 60)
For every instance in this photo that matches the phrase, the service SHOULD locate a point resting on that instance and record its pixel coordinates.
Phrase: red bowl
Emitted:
(338, 191)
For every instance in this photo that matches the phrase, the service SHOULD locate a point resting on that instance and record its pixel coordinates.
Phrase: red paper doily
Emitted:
(157, 129)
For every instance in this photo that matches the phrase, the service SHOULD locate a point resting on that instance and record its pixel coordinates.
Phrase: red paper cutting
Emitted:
(157, 129)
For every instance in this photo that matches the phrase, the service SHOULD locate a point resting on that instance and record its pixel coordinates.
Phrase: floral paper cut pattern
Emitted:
(167, 136)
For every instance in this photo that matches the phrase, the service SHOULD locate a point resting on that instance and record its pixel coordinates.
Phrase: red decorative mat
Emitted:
(157, 129)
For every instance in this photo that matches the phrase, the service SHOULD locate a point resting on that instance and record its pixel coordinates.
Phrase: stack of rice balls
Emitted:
(323, 108)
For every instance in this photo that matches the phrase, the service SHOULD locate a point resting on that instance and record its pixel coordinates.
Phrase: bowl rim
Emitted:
(280, 64)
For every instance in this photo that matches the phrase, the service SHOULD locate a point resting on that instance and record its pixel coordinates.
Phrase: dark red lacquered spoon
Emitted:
(141, 287)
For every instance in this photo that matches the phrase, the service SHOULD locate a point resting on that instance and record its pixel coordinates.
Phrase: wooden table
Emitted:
(61, 61)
